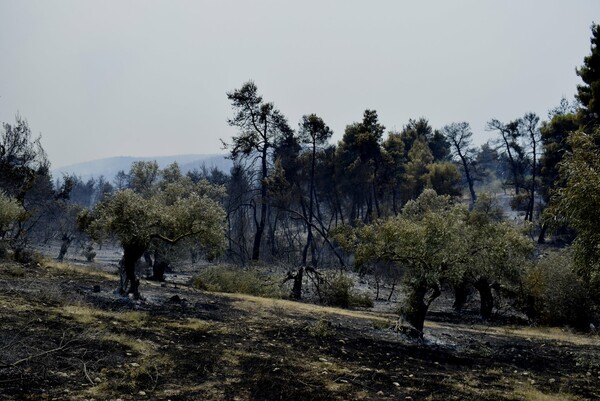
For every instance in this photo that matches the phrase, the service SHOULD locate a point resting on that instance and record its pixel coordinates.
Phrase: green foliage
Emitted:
(496, 251)
(421, 130)
(444, 178)
(425, 239)
(10, 210)
(29, 257)
(358, 159)
(382, 324)
(589, 93)
(554, 134)
(578, 201)
(322, 328)
(162, 214)
(21, 157)
(142, 176)
(554, 294)
(313, 131)
(339, 291)
(232, 279)
(415, 175)
(136, 220)
(434, 241)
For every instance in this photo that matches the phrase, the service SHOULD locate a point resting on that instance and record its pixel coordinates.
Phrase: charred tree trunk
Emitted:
(487, 298)
(542, 236)
(131, 254)
(160, 266)
(260, 224)
(461, 294)
(64, 247)
(392, 290)
(468, 175)
(297, 288)
(260, 228)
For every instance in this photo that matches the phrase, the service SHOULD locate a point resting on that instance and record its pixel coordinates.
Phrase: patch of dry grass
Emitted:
(524, 332)
(88, 270)
(257, 304)
(530, 393)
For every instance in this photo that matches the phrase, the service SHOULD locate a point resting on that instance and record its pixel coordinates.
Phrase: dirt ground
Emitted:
(63, 339)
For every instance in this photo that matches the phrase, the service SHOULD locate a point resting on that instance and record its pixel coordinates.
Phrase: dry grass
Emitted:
(536, 333)
(530, 393)
(88, 270)
(256, 304)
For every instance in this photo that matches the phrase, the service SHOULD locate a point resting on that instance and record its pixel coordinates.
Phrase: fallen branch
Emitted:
(63, 345)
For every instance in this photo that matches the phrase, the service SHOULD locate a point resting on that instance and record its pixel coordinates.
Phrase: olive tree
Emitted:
(577, 202)
(425, 242)
(496, 256)
(178, 211)
(435, 240)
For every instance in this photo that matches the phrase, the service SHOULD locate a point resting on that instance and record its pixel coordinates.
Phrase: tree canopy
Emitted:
(589, 92)
(178, 210)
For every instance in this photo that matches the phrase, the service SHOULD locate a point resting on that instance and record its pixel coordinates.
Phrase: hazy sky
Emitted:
(149, 78)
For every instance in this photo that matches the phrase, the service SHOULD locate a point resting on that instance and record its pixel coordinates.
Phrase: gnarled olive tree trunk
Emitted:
(416, 307)
(131, 254)
(487, 298)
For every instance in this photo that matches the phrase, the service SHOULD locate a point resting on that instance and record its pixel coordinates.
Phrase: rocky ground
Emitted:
(61, 339)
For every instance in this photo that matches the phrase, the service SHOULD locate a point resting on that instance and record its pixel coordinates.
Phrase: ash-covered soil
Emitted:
(60, 340)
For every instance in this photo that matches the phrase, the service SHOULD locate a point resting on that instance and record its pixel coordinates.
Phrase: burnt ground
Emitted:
(60, 340)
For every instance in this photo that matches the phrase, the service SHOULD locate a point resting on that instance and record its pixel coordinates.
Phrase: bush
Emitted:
(236, 280)
(28, 257)
(321, 328)
(339, 291)
(554, 294)
(4, 249)
(89, 253)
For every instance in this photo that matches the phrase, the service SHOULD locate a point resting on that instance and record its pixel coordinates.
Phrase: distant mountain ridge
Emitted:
(109, 167)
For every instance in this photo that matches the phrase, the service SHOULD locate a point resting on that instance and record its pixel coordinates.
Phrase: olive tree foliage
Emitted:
(10, 210)
(173, 212)
(578, 201)
(433, 241)
(562, 121)
(554, 294)
(496, 255)
(424, 241)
